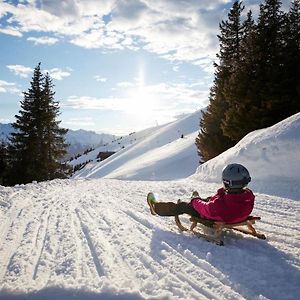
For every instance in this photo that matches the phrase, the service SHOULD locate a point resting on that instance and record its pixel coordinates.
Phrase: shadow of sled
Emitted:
(245, 227)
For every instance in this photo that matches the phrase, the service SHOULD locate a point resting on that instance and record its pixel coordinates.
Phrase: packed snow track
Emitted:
(95, 239)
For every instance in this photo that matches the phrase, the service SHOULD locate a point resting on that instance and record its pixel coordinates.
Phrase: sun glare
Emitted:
(142, 100)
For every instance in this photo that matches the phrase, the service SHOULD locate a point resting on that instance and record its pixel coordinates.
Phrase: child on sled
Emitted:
(232, 203)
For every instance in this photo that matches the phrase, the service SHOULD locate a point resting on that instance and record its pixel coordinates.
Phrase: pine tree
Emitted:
(211, 141)
(37, 145)
(3, 163)
(291, 56)
(263, 90)
(257, 81)
(231, 34)
(241, 91)
(52, 137)
(270, 60)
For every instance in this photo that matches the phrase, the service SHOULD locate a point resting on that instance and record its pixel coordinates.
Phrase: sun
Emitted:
(142, 101)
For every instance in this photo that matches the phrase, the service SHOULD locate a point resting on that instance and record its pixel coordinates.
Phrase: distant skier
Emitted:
(232, 203)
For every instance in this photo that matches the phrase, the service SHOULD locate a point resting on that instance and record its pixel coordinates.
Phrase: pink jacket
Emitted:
(229, 208)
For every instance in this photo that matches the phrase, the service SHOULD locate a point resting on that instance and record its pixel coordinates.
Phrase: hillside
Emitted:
(94, 238)
(160, 153)
(272, 156)
(81, 140)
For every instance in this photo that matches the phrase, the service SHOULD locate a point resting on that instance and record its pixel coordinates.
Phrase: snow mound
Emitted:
(167, 153)
(272, 156)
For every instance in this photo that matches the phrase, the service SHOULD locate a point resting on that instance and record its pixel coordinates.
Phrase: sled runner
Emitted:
(245, 227)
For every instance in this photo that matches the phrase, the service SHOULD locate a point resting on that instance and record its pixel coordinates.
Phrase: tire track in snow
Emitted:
(92, 248)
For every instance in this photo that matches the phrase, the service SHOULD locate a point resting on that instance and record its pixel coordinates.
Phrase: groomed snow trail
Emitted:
(95, 239)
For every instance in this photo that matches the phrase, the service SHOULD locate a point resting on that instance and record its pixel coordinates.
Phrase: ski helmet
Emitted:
(235, 176)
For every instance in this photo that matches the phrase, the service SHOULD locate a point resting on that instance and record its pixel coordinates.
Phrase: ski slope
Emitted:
(93, 237)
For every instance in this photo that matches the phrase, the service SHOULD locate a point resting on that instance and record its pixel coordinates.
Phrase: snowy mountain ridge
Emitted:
(79, 140)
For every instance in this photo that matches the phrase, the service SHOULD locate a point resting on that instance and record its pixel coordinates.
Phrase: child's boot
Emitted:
(151, 202)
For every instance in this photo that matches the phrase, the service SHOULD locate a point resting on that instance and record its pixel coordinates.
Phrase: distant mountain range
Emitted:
(79, 140)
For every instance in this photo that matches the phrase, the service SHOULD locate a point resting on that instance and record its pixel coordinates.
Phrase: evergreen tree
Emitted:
(37, 145)
(241, 92)
(263, 90)
(257, 81)
(231, 34)
(54, 146)
(270, 41)
(291, 55)
(211, 141)
(3, 163)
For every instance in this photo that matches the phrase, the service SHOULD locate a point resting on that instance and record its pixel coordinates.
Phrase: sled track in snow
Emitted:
(96, 234)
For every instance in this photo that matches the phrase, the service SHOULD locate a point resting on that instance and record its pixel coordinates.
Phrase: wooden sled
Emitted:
(245, 227)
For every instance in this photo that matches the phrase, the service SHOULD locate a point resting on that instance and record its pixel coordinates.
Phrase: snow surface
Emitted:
(94, 237)
(159, 153)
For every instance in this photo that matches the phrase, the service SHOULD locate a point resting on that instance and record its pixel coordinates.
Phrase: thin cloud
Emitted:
(44, 40)
(20, 70)
(57, 73)
(24, 72)
(161, 97)
(87, 102)
(81, 122)
(100, 78)
(9, 87)
(11, 31)
(125, 84)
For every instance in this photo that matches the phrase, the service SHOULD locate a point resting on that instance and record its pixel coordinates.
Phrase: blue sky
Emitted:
(118, 66)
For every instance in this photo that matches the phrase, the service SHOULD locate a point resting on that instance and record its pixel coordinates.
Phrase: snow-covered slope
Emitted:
(94, 238)
(160, 153)
(272, 156)
(114, 145)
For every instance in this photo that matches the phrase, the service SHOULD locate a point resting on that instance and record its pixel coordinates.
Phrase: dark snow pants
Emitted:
(174, 209)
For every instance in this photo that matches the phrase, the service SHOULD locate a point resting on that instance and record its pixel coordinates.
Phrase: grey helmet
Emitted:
(235, 176)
